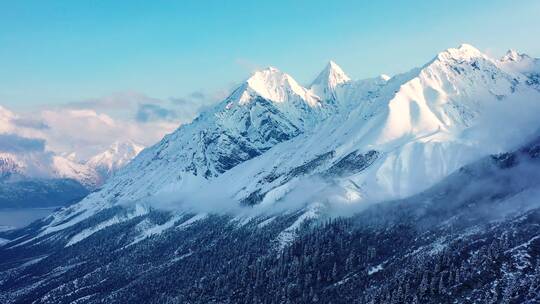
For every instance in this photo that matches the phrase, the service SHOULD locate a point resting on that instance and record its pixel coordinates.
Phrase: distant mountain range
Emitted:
(49, 179)
(415, 188)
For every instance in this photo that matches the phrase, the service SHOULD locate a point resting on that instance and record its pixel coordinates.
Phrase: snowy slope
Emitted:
(28, 181)
(478, 227)
(326, 84)
(115, 157)
(421, 126)
(65, 167)
(268, 108)
(46, 165)
(9, 165)
(33, 164)
(37, 162)
(277, 145)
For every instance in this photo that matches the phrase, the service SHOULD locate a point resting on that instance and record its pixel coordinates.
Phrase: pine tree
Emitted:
(349, 263)
(508, 292)
(334, 272)
(424, 284)
(441, 285)
(434, 285)
(457, 277)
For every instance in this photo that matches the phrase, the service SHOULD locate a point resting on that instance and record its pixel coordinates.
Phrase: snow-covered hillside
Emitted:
(43, 179)
(328, 81)
(111, 160)
(230, 207)
(99, 168)
(410, 131)
(276, 145)
(472, 238)
(267, 109)
(67, 168)
(24, 153)
(9, 165)
(46, 165)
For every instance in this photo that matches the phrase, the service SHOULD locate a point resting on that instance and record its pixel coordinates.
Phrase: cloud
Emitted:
(87, 132)
(188, 107)
(195, 194)
(144, 109)
(14, 143)
(123, 101)
(198, 95)
(89, 126)
(153, 112)
(519, 110)
(30, 123)
(247, 64)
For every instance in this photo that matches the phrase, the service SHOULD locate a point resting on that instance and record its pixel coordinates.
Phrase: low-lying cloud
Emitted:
(154, 112)
(13, 143)
(30, 123)
(495, 192)
(90, 126)
(197, 195)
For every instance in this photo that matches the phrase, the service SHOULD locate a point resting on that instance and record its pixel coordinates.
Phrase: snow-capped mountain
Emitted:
(46, 165)
(49, 165)
(404, 134)
(34, 161)
(326, 84)
(47, 179)
(33, 176)
(115, 157)
(15, 165)
(66, 167)
(9, 166)
(388, 138)
(268, 108)
(472, 238)
(27, 181)
(275, 155)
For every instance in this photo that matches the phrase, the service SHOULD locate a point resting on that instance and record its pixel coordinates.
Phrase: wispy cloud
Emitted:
(89, 126)
(152, 112)
(30, 123)
(247, 64)
(14, 143)
(117, 101)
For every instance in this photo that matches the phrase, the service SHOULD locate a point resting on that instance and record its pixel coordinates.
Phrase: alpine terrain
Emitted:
(422, 187)
(42, 178)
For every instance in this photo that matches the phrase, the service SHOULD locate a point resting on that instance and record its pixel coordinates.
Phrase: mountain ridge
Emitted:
(252, 149)
(467, 239)
(418, 188)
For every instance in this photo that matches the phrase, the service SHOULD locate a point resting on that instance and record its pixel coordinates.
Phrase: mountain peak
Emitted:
(513, 55)
(384, 77)
(333, 67)
(467, 47)
(328, 79)
(272, 84)
(267, 75)
(332, 75)
(464, 52)
(514, 61)
(114, 158)
(127, 146)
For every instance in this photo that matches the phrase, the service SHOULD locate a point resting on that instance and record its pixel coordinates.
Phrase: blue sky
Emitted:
(55, 52)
